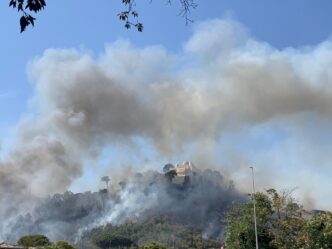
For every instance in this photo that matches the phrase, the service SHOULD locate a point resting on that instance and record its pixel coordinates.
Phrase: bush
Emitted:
(34, 240)
(61, 244)
(153, 245)
(105, 241)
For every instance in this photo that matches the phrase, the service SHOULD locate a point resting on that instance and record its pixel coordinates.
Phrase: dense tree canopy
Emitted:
(43, 242)
(34, 240)
(317, 232)
(240, 223)
(157, 233)
(281, 223)
(59, 245)
(129, 15)
(153, 245)
(106, 240)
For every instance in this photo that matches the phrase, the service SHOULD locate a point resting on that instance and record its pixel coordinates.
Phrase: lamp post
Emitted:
(254, 200)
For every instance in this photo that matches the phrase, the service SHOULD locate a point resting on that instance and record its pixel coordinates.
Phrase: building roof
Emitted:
(185, 169)
(4, 245)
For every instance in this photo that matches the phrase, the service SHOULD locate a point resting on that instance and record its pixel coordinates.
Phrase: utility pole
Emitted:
(254, 200)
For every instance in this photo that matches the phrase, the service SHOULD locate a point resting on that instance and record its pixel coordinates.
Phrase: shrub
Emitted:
(34, 240)
(153, 245)
(105, 241)
(61, 244)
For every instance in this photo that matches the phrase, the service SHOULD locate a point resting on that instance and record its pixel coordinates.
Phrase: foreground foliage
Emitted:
(153, 245)
(317, 232)
(42, 242)
(145, 235)
(281, 224)
(59, 245)
(33, 241)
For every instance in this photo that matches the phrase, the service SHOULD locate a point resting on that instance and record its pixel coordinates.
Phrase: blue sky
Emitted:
(91, 27)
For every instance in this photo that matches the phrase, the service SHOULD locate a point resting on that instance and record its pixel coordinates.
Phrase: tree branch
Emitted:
(129, 16)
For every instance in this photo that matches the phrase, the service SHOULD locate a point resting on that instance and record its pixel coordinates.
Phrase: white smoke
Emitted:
(224, 82)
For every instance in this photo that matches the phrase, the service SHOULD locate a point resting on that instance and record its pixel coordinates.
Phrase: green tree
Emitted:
(153, 245)
(317, 232)
(105, 240)
(287, 220)
(280, 224)
(240, 224)
(34, 241)
(59, 245)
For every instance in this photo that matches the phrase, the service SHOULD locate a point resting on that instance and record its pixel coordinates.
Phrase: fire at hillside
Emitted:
(182, 194)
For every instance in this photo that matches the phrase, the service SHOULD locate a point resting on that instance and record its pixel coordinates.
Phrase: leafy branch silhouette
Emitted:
(32, 5)
(129, 15)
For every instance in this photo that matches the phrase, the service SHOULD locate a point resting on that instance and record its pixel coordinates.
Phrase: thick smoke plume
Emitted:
(223, 81)
(200, 202)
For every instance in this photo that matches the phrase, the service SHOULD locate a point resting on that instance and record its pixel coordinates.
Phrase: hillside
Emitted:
(198, 200)
(158, 229)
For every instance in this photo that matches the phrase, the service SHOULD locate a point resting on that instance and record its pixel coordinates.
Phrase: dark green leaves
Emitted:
(31, 20)
(12, 3)
(139, 27)
(25, 21)
(31, 5)
(35, 5)
(123, 15)
(126, 2)
(34, 240)
(134, 13)
(129, 16)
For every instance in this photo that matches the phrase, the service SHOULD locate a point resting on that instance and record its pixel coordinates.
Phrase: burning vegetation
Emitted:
(182, 197)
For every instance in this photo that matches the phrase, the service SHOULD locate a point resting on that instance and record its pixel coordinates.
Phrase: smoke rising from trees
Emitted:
(223, 80)
(199, 203)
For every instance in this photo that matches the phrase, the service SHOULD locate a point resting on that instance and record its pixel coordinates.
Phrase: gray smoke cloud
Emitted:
(223, 81)
(200, 202)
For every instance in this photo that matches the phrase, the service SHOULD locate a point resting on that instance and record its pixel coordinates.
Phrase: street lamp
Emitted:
(254, 200)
